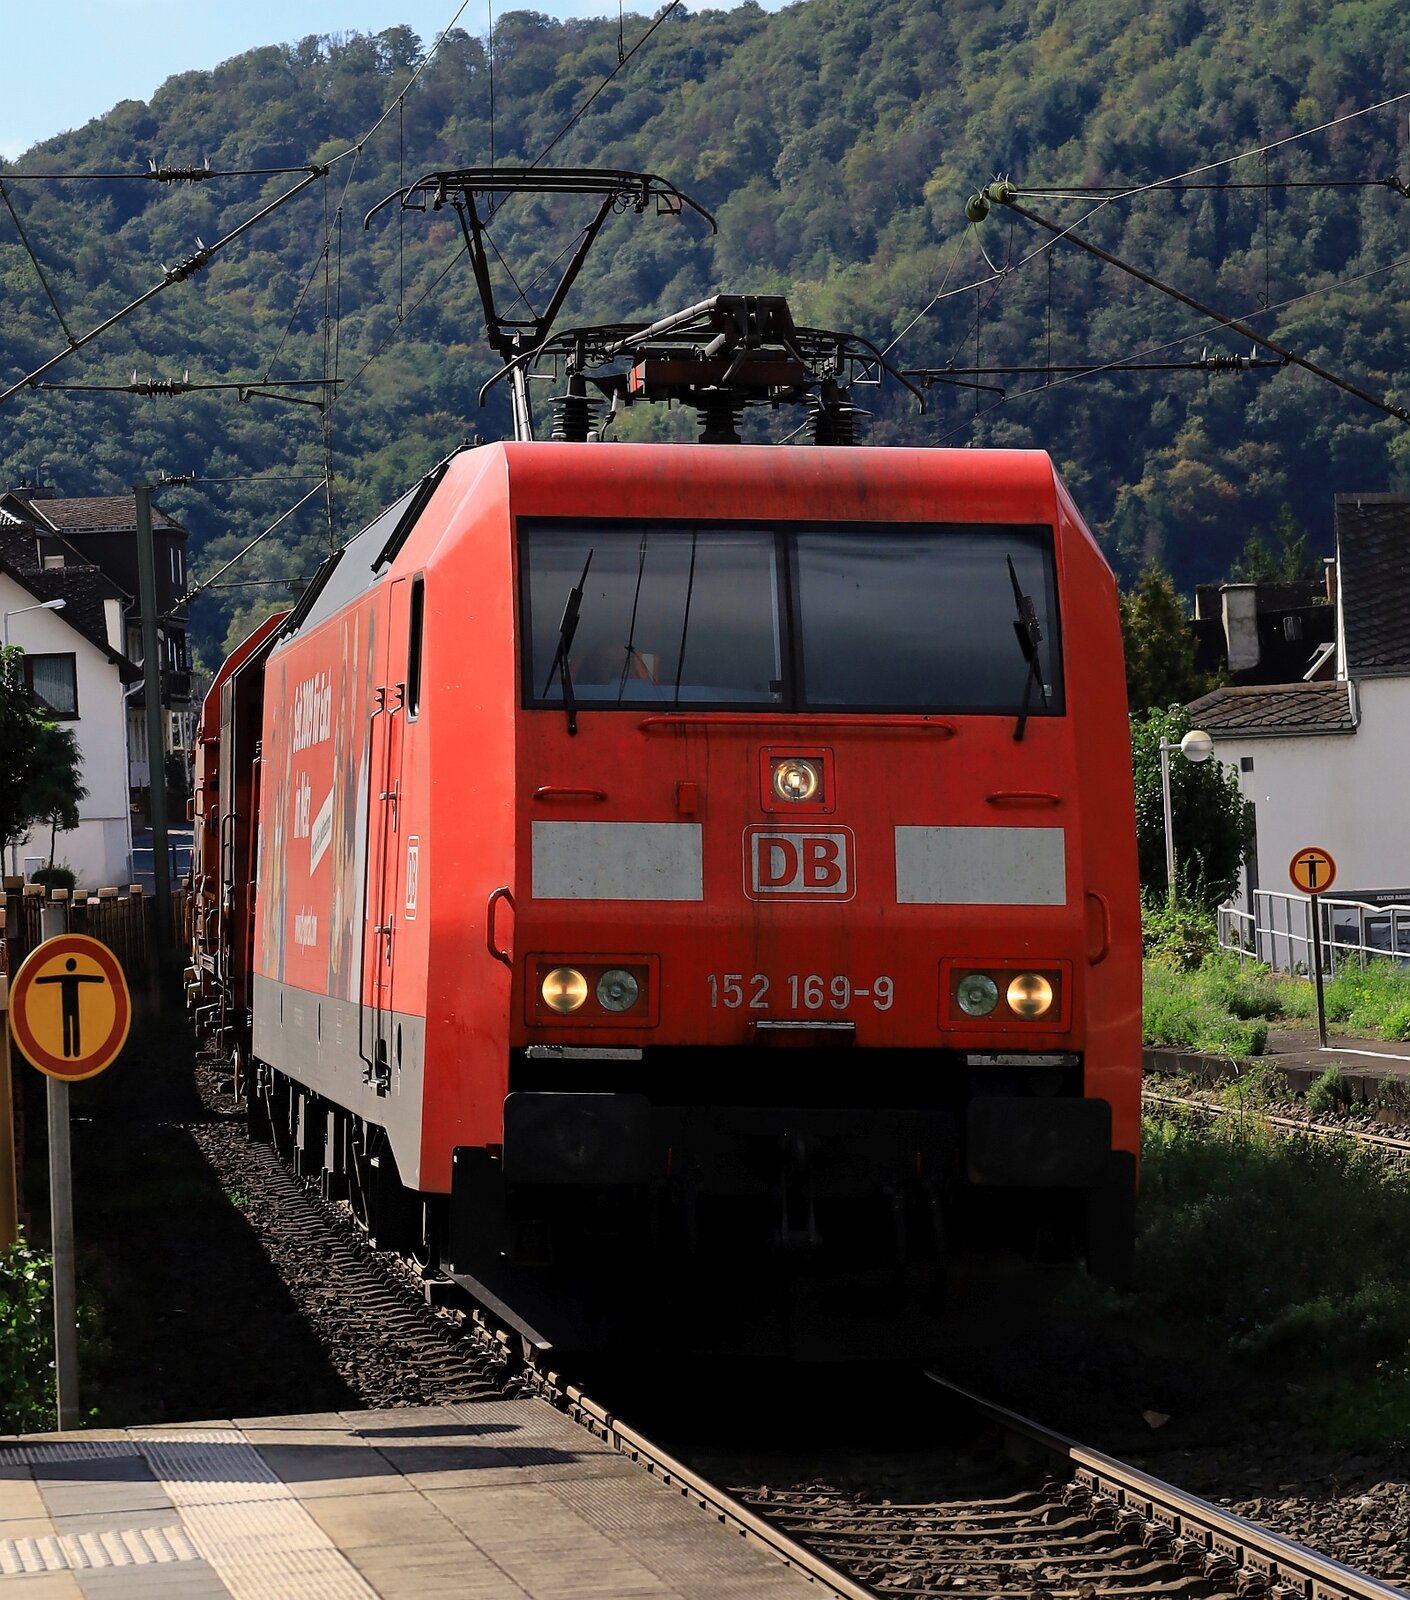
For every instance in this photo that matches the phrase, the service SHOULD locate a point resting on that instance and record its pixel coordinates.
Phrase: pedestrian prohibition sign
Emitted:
(1312, 870)
(69, 1007)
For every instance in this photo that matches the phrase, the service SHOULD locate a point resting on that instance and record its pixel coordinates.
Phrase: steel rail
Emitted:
(709, 1497)
(1387, 1142)
(482, 1332)
(1231, 1550)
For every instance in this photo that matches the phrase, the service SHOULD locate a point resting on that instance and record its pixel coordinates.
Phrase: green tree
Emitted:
(1212, 820)
(20, 733)
(1279, 555)
(39, 772)
(55, 787)
(1160, 648)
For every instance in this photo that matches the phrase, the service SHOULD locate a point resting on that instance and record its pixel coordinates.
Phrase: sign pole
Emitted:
(1315, 911)
(9, 1198)
(61, 1224)
(1314, 871)
(68, 985)
(61, 1228)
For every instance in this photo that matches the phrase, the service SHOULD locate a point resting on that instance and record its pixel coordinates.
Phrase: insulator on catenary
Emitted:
(833, 419)
(574, 413)
(720, 416)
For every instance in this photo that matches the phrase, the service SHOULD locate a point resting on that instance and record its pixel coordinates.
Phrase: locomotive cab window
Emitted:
(415, 630)
(881, 617)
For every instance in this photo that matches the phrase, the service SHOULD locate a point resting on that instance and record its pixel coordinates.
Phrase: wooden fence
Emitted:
(123, 919)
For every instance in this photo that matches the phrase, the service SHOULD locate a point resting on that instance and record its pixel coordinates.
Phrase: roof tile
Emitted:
(1280, 710)
(1373, 548)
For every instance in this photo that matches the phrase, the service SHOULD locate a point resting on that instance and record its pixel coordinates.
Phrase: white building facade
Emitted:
(1326, 764)
(81, 682)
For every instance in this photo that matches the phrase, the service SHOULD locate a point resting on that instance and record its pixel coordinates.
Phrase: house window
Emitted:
(53, 681)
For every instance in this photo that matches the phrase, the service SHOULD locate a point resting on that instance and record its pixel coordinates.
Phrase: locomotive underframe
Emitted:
(596, 1164)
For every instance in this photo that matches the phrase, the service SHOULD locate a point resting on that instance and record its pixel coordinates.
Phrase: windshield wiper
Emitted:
(1030, 636)
(562, 665)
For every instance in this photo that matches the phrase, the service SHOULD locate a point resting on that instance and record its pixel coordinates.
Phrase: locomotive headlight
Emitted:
(1030, 995)
(796, 779)
(977, 994)
(617, 990)
(564, 989)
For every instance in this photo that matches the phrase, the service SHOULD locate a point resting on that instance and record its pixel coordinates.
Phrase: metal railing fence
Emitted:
(1278, 932)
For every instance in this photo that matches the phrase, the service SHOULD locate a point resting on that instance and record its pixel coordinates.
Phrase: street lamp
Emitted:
(1196, 746)
(19, 611)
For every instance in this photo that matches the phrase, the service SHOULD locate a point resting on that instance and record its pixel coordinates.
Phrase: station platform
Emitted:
(1364, 1066)
(493, 1500)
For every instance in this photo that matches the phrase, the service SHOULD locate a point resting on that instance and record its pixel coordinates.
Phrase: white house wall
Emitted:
(1342, 792)
(100, 849)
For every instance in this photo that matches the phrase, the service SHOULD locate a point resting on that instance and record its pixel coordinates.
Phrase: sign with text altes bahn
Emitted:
(1312, 870)
(69, 1007)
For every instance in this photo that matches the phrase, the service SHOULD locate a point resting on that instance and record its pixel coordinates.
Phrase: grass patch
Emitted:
(1213, 1007)
(1281, 1258)
(1225, 1006)
(1371, 999)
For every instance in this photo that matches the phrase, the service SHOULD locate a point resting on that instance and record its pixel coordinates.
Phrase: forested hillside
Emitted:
(836, 142)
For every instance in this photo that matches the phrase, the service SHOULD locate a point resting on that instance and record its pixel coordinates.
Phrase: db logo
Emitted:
(785, 864)
(413, 875)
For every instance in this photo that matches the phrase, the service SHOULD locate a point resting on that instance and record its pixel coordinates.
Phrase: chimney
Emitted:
(1329, 572)
(35, 491)
(1240, 603)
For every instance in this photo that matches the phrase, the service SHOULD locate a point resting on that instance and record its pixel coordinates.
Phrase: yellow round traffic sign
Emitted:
(1312, 869)
(69, 1007)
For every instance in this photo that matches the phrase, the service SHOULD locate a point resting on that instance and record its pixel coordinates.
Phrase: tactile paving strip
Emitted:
(235, 1513)
(84, 1552)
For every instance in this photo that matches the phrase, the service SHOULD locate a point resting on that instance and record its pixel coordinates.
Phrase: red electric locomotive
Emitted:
(683, 849)
(691, 866)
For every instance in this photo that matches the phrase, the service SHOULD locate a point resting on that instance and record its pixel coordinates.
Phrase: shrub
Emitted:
(27, 1396)
(1259, 1085)
(1324, 1094)
(1179, 936)
(54, 877)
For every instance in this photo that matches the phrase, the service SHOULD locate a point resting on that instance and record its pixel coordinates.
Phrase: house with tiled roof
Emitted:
(1325, 760)
(76, 535)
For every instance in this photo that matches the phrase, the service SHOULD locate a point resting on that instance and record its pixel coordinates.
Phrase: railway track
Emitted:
(1062, 1523)
(1073, 1525)
(1388, 1143)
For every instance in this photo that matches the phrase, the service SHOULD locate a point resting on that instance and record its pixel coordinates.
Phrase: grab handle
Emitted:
(1098, 928)
(496, 895)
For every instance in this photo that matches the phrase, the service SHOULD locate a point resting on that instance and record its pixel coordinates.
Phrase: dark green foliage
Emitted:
(21, 731)
(1284, 1257)
(55, 877)
(837, 143)
(1178, 936)
(1159, 647)
(55, 787)
(27, 1399)
(1286, 557)
(1211, 817)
